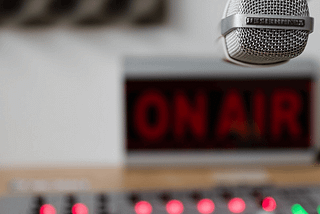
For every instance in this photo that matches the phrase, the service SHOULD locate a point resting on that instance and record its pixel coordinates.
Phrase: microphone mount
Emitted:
(232, 22)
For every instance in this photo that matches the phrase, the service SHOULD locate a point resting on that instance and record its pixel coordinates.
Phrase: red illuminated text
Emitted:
(179, 114)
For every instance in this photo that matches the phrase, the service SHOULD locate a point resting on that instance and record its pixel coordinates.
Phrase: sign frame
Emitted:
(190, 68)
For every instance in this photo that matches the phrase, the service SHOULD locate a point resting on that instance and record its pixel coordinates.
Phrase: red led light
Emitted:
(143, 207)
(174, 207)
(80, 209)
(236, 205)
(47, 209)
(205, 206)
(269, 204)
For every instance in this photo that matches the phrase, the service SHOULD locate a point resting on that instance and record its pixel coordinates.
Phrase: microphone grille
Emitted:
(269, 7)
(266, 46)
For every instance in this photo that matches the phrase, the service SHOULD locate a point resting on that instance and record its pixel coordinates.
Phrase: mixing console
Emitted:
(220, 200)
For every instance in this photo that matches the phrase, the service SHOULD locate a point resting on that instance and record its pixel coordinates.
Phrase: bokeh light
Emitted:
(47, 209)
(269, 204)
(174, 207)
(80, 209)
(236, 205)
(143, 207)
(298, 209)
(205, 206)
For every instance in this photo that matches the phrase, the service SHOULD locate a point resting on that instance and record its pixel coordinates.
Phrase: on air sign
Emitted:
(218, 114)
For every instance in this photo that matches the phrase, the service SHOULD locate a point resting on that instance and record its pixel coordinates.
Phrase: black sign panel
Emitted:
(218, 114)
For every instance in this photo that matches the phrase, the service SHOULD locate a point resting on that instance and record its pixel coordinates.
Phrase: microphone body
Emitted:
(265, 32)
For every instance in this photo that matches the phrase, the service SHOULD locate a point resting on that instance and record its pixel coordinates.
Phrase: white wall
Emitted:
(60, 88)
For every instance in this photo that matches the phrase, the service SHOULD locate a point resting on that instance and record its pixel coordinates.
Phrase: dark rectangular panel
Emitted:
(214, 114)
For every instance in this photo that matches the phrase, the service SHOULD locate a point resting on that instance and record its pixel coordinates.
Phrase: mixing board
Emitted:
(219, 200)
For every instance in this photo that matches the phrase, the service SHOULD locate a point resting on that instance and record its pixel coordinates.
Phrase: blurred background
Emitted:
(62, 70)
(65, 66)
(91, 92)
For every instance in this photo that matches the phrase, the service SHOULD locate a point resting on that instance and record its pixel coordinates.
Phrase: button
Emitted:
(47, 209)
(269, 204)
(143, 207)
(174, 207)
(205, 206)
(237, 205)
(80, 208)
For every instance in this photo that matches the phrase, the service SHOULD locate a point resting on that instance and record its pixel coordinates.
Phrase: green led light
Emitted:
(298, 209)
(318, 209)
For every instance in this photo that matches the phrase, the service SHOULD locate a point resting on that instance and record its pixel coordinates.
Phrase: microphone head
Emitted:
(265, 32)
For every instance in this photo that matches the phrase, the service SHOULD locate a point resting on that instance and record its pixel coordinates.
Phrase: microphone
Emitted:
(265, 32)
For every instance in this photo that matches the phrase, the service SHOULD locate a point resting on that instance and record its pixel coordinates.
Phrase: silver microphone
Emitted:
(265, 32)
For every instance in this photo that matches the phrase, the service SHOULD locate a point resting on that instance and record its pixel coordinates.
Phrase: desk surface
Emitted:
(160, 178)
